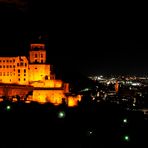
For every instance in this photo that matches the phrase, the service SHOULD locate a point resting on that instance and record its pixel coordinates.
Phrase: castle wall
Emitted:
(14, 70)
(32, 74)
(10, 90)
(52, 96)
(48, 84)
(39, 72)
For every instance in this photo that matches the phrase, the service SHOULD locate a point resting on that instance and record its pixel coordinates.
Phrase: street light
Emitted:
(125, 120)
(61, 114)
(126, 138)
(8, 107)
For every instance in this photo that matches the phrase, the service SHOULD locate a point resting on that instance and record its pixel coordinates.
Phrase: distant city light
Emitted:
(108, 82)
(86, 89)
(93, 98)
(98, 94)
(90, 132)
(136, 84)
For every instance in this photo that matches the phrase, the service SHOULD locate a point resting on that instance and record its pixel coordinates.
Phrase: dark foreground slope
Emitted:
(91, 126)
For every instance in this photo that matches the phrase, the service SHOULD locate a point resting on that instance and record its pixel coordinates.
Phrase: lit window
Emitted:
(21, 64)
(46, 77)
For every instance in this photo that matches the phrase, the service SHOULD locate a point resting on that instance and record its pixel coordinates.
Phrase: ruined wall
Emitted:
(52, 96)
(13, 90)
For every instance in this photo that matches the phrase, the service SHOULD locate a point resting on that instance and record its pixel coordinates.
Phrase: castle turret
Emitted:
(37, 53)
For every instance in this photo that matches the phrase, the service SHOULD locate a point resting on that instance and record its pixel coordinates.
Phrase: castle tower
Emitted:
(38, 69)
(37, 53)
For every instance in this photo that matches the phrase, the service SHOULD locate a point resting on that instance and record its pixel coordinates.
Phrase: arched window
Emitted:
(46, 77)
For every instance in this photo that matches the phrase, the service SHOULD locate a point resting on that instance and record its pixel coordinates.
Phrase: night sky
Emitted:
(80, 36)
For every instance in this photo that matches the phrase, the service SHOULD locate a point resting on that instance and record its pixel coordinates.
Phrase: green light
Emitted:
(61, 114)
(8, 107)
(125, 120)
(126, 138)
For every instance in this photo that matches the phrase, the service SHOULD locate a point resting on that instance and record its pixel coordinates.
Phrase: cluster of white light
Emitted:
(136, 84)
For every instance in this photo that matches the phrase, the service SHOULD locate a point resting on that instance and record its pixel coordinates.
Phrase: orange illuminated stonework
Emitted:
(116, 87)
(36, 73)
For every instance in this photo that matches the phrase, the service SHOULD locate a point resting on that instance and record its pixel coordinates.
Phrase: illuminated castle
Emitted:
(35, 72)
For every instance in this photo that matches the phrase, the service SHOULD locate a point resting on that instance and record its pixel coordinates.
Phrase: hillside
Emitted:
(77, 80)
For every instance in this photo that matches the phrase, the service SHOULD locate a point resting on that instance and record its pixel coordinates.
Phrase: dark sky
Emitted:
(78, 35)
